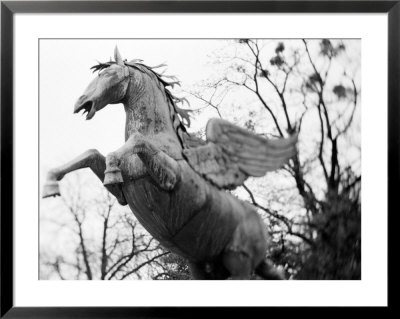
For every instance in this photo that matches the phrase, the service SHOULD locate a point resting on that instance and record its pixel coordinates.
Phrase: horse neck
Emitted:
(147, 109)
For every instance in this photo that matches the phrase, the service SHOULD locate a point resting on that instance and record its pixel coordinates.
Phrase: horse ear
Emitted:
(117, 56)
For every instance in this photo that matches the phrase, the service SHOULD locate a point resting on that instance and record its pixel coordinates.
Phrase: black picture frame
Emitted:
(9, 8)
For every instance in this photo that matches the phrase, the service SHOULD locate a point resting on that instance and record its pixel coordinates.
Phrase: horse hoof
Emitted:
(51, 189)
(117, 191)
(112, 176)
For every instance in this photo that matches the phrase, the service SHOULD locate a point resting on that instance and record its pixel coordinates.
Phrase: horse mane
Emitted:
(177, 114)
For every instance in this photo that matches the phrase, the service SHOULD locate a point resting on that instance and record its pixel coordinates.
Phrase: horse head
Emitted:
(150, 107)
(109, 87)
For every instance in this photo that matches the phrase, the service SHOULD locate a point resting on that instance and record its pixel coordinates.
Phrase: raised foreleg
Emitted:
(161, 167)
(91, 159)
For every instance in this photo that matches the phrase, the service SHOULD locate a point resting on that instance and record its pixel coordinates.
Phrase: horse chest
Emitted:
(189, 220)
(153, 207)
(165, 213)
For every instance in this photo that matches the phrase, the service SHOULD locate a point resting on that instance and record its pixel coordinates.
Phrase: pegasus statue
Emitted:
(175, 184)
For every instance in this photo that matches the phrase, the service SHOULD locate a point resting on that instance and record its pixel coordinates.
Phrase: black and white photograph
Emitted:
(200, 159)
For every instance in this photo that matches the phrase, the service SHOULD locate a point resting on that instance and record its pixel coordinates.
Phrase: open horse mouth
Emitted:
(88, 108)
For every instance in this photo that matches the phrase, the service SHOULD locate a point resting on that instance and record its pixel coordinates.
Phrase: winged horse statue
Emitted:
(176, 184)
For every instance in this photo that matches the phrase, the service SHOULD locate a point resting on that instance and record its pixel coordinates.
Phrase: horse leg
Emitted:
(208, 270)
(238, 264)
(92, 159)
(247, 247)
(198, 271)
(161, 167)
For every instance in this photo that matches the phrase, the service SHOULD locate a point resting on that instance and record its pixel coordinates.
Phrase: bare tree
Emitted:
(311, 87)
(108, 242)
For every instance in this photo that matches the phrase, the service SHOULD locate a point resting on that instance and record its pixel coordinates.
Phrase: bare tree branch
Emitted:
(134, 270)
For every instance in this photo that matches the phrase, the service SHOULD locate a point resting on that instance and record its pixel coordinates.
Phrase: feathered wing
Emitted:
(232, 154)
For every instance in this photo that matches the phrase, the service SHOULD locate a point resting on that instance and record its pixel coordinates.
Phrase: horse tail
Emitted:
(268, 271)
